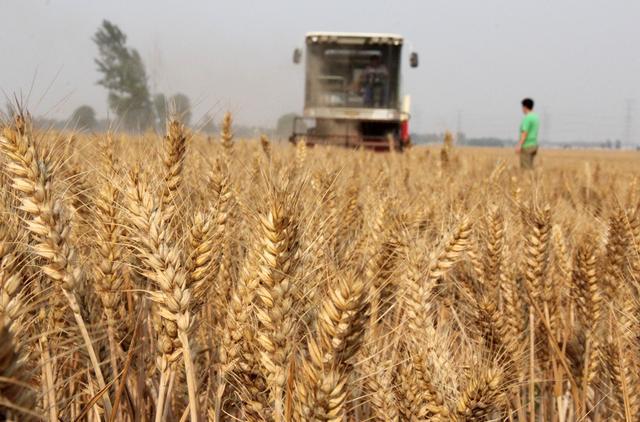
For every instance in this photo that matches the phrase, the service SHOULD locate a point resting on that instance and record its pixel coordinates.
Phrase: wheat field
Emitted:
(173, 278)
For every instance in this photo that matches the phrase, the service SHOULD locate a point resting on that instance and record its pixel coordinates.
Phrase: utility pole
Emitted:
(628, 123)
(546, 125)
(459, 126)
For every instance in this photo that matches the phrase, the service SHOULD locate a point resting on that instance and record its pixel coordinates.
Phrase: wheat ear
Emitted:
(560, 290)
(11, 280)
(202, 263)
(537, 248)
(494, 249)
(164, 265)
(226, 136)
(589, 305)
(615, 249)
(420, 398)
(266, 146)
(340, 323)
(483, 398)
(175, 149)
(301, 155)
(458, 243)
(417, 295)
(49, 228)
(107, 271)
(277, 262)
(379, 387)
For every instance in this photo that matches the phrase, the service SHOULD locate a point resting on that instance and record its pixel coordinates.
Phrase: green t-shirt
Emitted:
(530, 124)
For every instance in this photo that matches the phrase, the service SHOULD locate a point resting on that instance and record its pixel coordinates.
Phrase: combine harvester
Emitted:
(352, 91)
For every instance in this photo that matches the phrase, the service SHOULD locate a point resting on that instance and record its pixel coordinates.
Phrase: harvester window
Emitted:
(334, 92)
(352, 75)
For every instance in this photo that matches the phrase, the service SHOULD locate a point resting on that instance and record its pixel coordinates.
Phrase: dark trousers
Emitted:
(526, 157)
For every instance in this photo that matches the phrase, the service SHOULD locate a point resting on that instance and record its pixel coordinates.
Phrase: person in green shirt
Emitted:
(528, 142)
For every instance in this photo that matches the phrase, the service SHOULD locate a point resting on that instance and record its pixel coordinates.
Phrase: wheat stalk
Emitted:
(17, 398)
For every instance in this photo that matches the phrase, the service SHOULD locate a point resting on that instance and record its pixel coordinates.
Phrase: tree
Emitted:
(124, 76)
(84, 117)
(181, 107)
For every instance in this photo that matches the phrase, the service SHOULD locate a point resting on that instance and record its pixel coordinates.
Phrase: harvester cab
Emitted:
(352, 91)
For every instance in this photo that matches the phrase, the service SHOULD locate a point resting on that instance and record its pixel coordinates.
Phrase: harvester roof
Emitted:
(354, 38)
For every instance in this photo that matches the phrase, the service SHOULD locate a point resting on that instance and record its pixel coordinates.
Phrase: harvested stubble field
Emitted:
(175, 278)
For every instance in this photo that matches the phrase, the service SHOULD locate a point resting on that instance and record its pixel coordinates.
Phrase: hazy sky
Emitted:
(579, 59)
